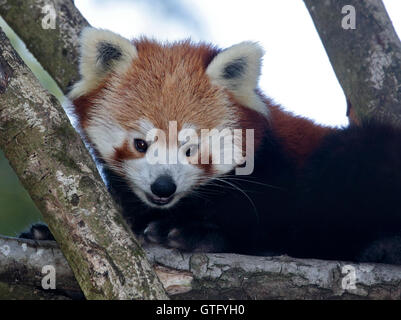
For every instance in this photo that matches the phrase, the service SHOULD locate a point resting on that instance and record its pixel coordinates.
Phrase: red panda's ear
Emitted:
(238, 69)
(101, 51)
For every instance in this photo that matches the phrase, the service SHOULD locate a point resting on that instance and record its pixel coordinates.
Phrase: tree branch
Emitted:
(55, 49)
(21, 275)
(366, 60)
(55, 168)
(214, 276)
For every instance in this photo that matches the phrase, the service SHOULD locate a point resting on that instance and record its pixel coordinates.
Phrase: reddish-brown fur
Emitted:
(83, 104)
(126, 152)
(251, 119)
(168, 83)
(299, 136)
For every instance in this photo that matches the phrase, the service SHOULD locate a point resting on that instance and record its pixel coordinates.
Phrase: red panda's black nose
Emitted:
(163, 187)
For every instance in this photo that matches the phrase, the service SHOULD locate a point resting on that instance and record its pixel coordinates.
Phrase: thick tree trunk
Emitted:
(210, 276)
(56, 169)
(366, 60)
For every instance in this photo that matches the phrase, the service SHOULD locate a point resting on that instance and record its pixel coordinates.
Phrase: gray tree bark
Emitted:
(366, 60)
(21, 265)
(54, 166)
(210, 276)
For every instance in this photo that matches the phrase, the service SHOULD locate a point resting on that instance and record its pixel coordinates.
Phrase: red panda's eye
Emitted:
(191, 151)
(141, 145)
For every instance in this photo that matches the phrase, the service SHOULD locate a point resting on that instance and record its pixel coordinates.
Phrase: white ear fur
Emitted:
(238, 69)
(101, 52)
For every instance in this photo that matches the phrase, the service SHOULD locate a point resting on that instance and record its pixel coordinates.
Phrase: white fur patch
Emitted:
(145, 126)
(91, 71)
(248, 56)
(105, 135)
(141, 174)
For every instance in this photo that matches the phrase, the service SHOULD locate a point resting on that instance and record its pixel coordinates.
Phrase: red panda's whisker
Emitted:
(242, 192)
(254, 182)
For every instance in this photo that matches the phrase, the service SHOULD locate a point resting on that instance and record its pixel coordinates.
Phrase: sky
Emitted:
(296, 71)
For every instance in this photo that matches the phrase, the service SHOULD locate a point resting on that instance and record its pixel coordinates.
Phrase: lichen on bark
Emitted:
(366, 60)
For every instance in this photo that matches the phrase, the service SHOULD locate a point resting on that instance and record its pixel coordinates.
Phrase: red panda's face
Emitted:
(152, 111)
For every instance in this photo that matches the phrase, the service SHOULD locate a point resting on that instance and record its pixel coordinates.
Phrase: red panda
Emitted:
(311, 191)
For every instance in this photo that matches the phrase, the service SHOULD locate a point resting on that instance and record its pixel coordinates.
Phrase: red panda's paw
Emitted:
(197, 238)
(37, 231)
(156, 231)
(189, 237)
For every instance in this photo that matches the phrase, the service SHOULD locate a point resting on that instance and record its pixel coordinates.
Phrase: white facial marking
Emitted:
(177, 159)
(141, 174)
(145, 126)
(164, 157)
(106, 135)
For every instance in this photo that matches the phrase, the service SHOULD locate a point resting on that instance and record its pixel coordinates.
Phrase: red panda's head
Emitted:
(151, 110)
